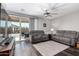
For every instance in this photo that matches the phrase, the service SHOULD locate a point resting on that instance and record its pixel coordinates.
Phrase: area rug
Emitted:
(50, 48)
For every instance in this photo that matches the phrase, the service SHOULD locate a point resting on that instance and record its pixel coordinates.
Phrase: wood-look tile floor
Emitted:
(24, 48)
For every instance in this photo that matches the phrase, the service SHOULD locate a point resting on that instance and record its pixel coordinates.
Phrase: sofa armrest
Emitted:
(72, 42)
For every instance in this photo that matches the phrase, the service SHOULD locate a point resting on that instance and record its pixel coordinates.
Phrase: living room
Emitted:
(39, 29)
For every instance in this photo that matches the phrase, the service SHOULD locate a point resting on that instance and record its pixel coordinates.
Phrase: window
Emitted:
(25, 25)
(2, 23)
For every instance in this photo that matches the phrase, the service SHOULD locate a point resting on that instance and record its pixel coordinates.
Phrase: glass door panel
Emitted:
(13, 30)
(24, 30)
(16, 30)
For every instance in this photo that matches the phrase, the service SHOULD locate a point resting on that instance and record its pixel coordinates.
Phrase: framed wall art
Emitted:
(44, 24)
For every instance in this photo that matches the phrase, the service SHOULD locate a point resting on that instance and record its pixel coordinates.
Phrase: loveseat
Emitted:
(38, 36)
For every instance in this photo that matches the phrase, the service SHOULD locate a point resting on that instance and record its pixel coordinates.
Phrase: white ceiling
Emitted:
(35, 8)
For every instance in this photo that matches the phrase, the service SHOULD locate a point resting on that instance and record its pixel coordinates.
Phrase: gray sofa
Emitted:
(65, 37)
(38, 36)
(62, 36)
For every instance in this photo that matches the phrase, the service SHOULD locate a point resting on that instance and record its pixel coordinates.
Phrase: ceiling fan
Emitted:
(49, 12)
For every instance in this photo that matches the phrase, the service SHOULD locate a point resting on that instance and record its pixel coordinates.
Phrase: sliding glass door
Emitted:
(17, 28)
(12, 25)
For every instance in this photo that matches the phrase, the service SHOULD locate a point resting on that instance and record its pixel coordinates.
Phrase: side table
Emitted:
(77, 44)
(49, 36)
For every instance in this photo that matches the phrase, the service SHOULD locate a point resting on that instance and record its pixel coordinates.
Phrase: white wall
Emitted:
(40, 25)
(67, 22)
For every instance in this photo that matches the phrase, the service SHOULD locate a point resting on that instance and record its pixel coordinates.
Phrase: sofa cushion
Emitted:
(70, 34)
(59, 33)
(62, 40)
(56, 38)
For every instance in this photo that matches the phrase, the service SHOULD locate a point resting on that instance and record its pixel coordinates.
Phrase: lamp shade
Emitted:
(52, 29)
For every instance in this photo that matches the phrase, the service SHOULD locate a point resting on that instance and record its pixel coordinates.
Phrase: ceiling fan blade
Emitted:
(45, 10)
(58, 6)
(52, 7)
(42, 9)
(54, 13)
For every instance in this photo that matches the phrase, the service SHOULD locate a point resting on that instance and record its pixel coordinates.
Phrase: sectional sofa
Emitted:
(62, 40)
